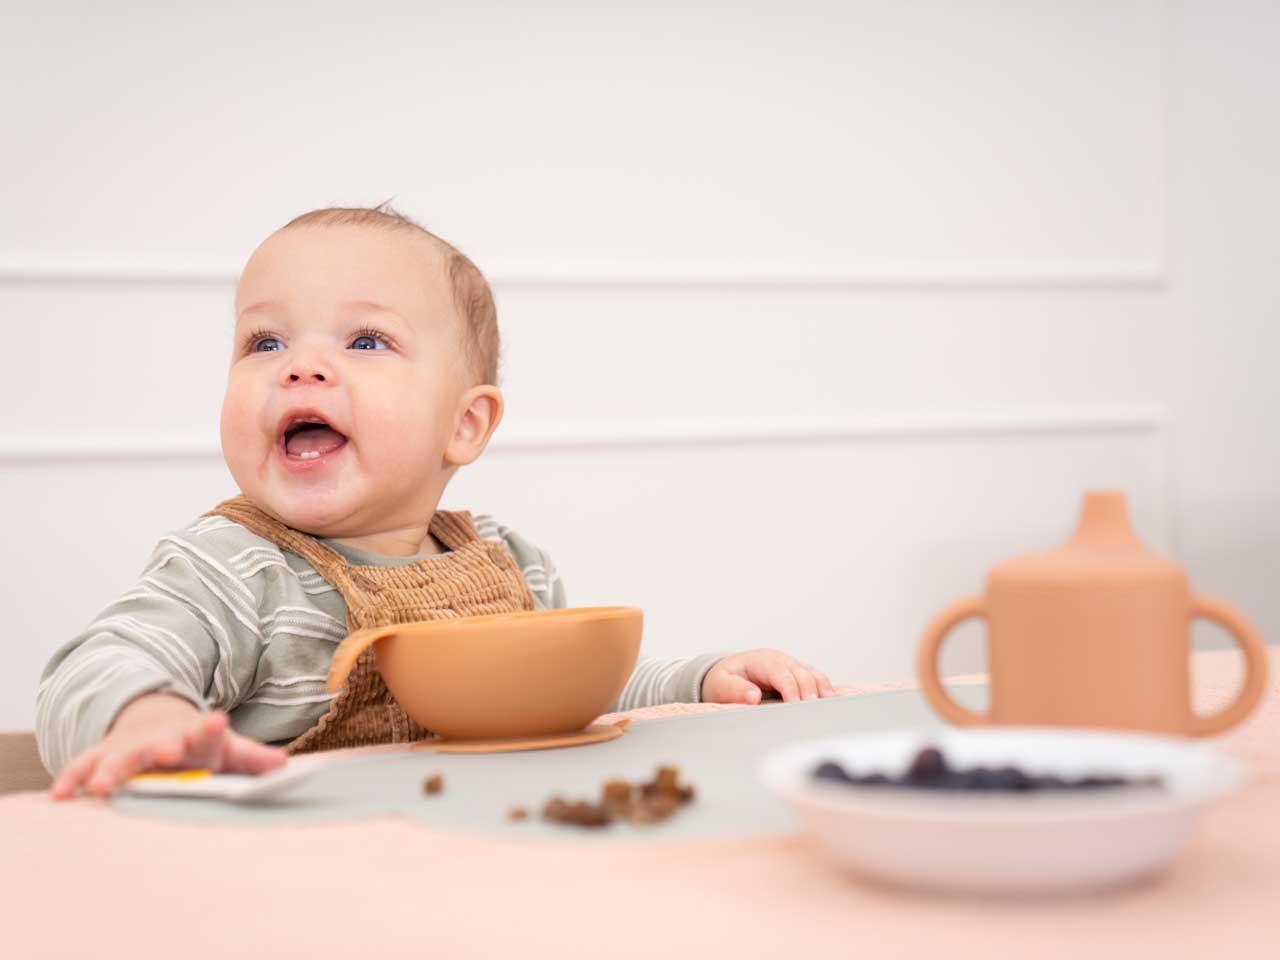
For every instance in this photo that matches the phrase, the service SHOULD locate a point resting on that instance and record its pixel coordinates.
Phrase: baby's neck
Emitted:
(405, 542)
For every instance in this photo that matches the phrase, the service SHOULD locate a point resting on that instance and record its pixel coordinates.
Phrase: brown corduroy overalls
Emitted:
(477, 577)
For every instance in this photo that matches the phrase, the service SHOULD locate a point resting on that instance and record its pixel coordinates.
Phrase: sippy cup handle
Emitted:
(1255, 663)
(927, 662)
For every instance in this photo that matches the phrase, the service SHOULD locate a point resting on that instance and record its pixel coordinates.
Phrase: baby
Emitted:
(362, 377)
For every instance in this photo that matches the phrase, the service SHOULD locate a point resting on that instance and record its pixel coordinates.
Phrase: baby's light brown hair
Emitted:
(472, 297)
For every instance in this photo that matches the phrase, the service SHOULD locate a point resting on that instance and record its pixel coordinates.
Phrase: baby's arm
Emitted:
(654, 680)
(161, 730)
(188, 629)
(713, 677)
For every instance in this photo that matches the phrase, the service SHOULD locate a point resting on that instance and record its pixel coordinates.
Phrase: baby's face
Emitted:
(353, 327)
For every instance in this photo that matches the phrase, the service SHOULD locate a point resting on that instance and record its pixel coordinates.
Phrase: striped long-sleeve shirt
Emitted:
(228, 620)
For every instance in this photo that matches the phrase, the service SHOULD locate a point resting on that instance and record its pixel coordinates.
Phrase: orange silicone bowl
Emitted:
(503, 675)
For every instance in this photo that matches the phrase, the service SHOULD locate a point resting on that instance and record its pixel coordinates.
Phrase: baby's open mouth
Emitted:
(310, 437)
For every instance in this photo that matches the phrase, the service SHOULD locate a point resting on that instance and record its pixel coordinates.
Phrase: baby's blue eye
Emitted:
(368, 342)
(261, 345)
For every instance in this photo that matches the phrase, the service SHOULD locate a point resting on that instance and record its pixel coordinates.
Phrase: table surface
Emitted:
(715, 751)
(727, 876)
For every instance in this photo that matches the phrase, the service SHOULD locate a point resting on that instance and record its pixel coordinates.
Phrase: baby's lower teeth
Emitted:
(308, 454)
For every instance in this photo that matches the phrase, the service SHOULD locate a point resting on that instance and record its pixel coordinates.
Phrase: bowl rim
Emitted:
(593, 614)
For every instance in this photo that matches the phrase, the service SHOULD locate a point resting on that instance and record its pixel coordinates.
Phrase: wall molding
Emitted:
(653, 432)
(1139, 274)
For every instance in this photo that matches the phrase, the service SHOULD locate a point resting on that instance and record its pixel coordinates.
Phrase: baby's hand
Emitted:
(742, 677)
(166, 732)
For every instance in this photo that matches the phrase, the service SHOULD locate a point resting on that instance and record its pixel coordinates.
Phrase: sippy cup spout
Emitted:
(1104, 521)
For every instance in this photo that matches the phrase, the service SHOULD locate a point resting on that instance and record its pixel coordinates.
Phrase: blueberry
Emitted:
(1093, 783)
(979, 778)
(928, 767)
(1011, 778)
(830, 770)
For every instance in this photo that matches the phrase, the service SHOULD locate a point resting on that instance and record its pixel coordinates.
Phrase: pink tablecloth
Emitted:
(82, 880)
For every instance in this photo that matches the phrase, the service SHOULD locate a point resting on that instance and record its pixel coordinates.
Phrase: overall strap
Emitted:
(327, 561)
(454, 528)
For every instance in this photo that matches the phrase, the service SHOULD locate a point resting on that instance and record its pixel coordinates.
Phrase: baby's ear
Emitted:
(480, 412)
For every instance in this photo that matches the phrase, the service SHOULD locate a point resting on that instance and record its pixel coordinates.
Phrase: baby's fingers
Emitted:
(825, 687)
(75, 774)
(780, 678)
(248, 756)
(169, 752)
(201, 742)
(821, 685)
(116, 768)
(805, 681)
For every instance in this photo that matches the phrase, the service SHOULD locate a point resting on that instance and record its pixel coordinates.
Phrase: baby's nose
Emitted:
(310, 366)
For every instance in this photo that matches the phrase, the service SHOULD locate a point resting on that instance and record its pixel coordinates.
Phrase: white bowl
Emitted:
(1000, 843)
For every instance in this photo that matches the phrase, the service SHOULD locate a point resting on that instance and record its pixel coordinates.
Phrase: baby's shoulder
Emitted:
(490, 528)
(234, 551)
(221, 538)
(535, 563)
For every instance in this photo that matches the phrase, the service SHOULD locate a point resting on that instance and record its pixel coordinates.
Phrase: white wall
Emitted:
(812, 313)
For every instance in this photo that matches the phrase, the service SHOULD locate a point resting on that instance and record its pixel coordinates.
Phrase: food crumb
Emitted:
(640, 804)
(433, 784)
(580, 813)
(517, 813)
(616, 795)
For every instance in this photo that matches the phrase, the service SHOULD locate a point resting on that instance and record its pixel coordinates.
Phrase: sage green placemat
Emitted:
(715, 751)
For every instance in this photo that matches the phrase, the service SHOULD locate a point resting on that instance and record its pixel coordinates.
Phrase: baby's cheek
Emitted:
(409, 455)
(239, 432)
(238, 407)
(244, 442)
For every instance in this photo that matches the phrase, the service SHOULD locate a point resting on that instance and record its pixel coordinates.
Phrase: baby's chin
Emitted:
(319, 512)
(344, 499)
